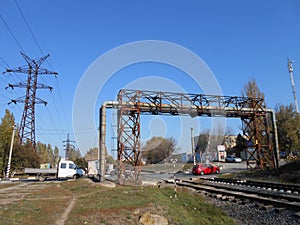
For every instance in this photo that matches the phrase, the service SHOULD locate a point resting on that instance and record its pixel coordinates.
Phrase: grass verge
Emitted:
(288, 173)
(95, 204)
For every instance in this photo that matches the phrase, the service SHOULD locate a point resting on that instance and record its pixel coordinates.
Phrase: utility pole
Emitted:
(10, 151)
(33, 69)
(193, 148)
(68, 146)
(290, 68)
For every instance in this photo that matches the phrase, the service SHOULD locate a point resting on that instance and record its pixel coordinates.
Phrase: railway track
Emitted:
(265, 194)
(271, 186)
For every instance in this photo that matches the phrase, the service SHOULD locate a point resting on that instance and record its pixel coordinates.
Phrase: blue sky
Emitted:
(238, 40)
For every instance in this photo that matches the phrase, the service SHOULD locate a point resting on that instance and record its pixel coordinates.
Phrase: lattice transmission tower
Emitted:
(68, 146)
(32, 69)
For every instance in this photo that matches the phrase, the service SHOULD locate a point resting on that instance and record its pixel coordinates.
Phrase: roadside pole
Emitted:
(193, 147)
(175, 191)
(10, 151)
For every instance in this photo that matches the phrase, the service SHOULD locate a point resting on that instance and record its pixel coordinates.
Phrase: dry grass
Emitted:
(288, 173)
(95, 204)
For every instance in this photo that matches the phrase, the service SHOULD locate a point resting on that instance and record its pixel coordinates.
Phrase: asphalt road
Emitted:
(226, 168)
(161, 174)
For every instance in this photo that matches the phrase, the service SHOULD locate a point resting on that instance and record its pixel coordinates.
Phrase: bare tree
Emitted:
(252, 90)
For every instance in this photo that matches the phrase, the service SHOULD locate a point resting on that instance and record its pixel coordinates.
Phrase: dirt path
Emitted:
(64, 217)
(17, 192)
(12, 187)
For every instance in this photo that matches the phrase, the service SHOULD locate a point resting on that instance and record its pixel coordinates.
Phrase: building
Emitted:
(213, 147)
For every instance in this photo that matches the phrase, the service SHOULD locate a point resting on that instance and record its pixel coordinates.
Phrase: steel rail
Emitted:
(277, 200)
(293, 188)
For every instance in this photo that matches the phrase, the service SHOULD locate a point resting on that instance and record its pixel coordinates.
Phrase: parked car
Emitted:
(201, 169)
(233, 159)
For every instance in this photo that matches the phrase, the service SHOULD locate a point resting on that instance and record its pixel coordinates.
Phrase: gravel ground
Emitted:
(250, 214)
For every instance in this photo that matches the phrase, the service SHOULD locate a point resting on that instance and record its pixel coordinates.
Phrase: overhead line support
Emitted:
(33, 69)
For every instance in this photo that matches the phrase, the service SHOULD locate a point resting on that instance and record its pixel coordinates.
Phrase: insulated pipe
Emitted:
(102, 136)
(187, 109)
(275, 136)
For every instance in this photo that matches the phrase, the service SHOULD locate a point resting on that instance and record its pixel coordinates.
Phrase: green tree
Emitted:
(157, 149)
(288, 128)
(46, 154)
(81, 162)
(6, 128)
(202, 142)
(209, 142)
(50, 155)
(55, 156)
(41, 150)
(92, 154)
(25, 156)
(239, 147)
(74, 154)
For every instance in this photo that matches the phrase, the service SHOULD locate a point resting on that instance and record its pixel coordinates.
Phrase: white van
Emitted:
(68, 169)
(65, 169)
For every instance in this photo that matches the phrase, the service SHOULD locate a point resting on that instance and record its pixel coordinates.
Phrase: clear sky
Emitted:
(238, 41)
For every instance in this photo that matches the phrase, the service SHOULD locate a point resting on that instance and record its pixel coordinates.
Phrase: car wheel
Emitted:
(217, 171)
(41, 178)
(201, 173)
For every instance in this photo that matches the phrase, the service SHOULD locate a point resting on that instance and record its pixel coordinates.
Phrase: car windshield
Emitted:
(72, 166)
(203, 165)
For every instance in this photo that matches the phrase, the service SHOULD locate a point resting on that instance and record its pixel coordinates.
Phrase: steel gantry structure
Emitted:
(259, 127)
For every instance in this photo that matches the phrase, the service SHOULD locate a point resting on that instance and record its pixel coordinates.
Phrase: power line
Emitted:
(4, 96)
(52, 121)
(41, 50)
(38, 45)
(16, 42)
(11, 33)
(4, 62)
(3, 104)
(60, 98)
(32, 34)
(3, 80)
(27, 25)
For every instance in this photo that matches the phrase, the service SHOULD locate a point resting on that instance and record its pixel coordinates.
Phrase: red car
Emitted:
(201, 169)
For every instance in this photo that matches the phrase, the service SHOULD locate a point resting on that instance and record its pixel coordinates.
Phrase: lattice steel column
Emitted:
(259, 143)
(129, 141)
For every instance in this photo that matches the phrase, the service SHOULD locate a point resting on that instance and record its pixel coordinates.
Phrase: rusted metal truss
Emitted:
(259, 149)
(252, 112)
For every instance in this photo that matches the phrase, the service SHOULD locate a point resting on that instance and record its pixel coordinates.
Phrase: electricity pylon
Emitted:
(32, 69)
(68, 146)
